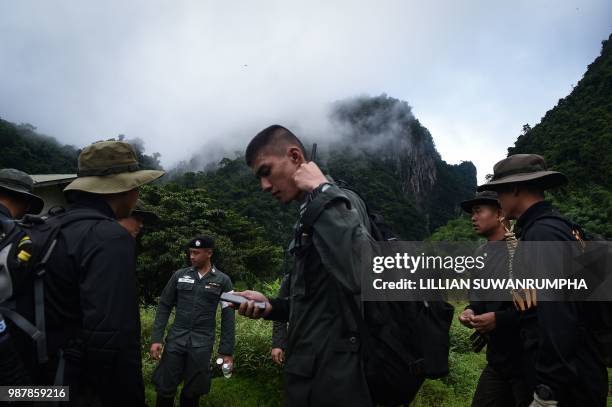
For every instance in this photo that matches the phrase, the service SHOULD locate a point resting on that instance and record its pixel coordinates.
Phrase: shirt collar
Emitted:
(212, 271)
(94, 202)
(535, 211)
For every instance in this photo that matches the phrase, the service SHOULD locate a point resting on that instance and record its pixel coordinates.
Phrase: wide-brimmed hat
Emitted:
(109, 167)
(523, 169)
(21, 183)
(481, 198)
(147, 215)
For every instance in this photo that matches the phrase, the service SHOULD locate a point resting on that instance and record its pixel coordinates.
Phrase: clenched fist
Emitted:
(308, 176)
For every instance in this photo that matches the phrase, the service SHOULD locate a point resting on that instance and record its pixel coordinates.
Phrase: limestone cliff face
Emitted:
(385, 151)
(414, 161)
(385, 128)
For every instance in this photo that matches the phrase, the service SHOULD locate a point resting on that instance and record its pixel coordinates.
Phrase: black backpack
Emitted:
(597, 315)
(402, 342)
(25, 248)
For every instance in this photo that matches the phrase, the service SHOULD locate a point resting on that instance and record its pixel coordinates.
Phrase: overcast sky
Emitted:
(182, 74)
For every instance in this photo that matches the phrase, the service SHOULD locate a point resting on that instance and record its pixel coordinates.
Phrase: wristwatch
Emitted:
(544, 392)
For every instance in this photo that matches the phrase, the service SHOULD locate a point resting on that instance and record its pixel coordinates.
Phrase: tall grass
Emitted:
(257, 381)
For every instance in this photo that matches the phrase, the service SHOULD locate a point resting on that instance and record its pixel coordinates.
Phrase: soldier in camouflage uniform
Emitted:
(195, 292)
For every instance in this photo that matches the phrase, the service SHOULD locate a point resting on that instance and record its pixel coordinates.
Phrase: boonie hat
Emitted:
(21, 183)
(109, 167)
(147, 215)
(523, 169)
(481, 198)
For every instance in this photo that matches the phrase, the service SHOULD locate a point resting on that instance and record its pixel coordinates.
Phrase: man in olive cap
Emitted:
(195, 293)
(16, 197)
(140, 217)
(561, 361)
(495, 322)
(90, 297)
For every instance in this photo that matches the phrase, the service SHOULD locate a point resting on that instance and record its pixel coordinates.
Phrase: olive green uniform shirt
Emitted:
(323, 366)
(196, 300)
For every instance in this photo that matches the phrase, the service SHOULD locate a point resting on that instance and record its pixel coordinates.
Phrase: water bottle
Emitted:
(227, 370)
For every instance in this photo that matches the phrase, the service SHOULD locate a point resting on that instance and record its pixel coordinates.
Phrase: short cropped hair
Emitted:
(531, 187)
(275, 135)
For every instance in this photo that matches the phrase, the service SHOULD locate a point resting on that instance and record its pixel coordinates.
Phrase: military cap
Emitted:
(147, 215)
(481, 198)
(201, 242)
(109, 167)
(523, 169)
(21, 183)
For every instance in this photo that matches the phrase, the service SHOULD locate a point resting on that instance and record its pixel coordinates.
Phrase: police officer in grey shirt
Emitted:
(195, 292)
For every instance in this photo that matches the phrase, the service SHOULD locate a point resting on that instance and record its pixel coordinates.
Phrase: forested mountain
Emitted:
(25, 149)
(387, 155)
(383, 152)
(575, 137)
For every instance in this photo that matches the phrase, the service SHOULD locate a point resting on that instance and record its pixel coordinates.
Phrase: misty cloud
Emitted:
(197, 77)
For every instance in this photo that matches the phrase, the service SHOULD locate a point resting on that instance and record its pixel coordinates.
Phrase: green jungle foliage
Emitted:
(233, 186)
(242, 248)
(575, 137)
(459, 229)
(23, 148)
(373, 157)
(391, 159)
(384, 154)
(27, 150)
(257, 381)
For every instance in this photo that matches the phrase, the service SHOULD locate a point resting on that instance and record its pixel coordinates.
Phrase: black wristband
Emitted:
(313, 194)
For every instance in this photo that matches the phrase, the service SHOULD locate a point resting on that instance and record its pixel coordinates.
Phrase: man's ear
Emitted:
(295, 155)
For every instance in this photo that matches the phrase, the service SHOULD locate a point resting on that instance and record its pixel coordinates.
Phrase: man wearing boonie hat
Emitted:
(561, 362)
(495, 322)
(139, 217)
(91, 303)
(195, 293)
(16, 197)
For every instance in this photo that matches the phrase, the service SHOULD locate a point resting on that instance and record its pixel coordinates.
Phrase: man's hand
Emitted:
(278, 356)
(156, 350)
(466, 317)
(308, 176)
(484, 323)
(227, 359)
(248, 309)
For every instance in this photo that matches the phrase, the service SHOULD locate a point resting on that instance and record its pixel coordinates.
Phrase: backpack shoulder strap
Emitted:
(315, 207)
(49, 231)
